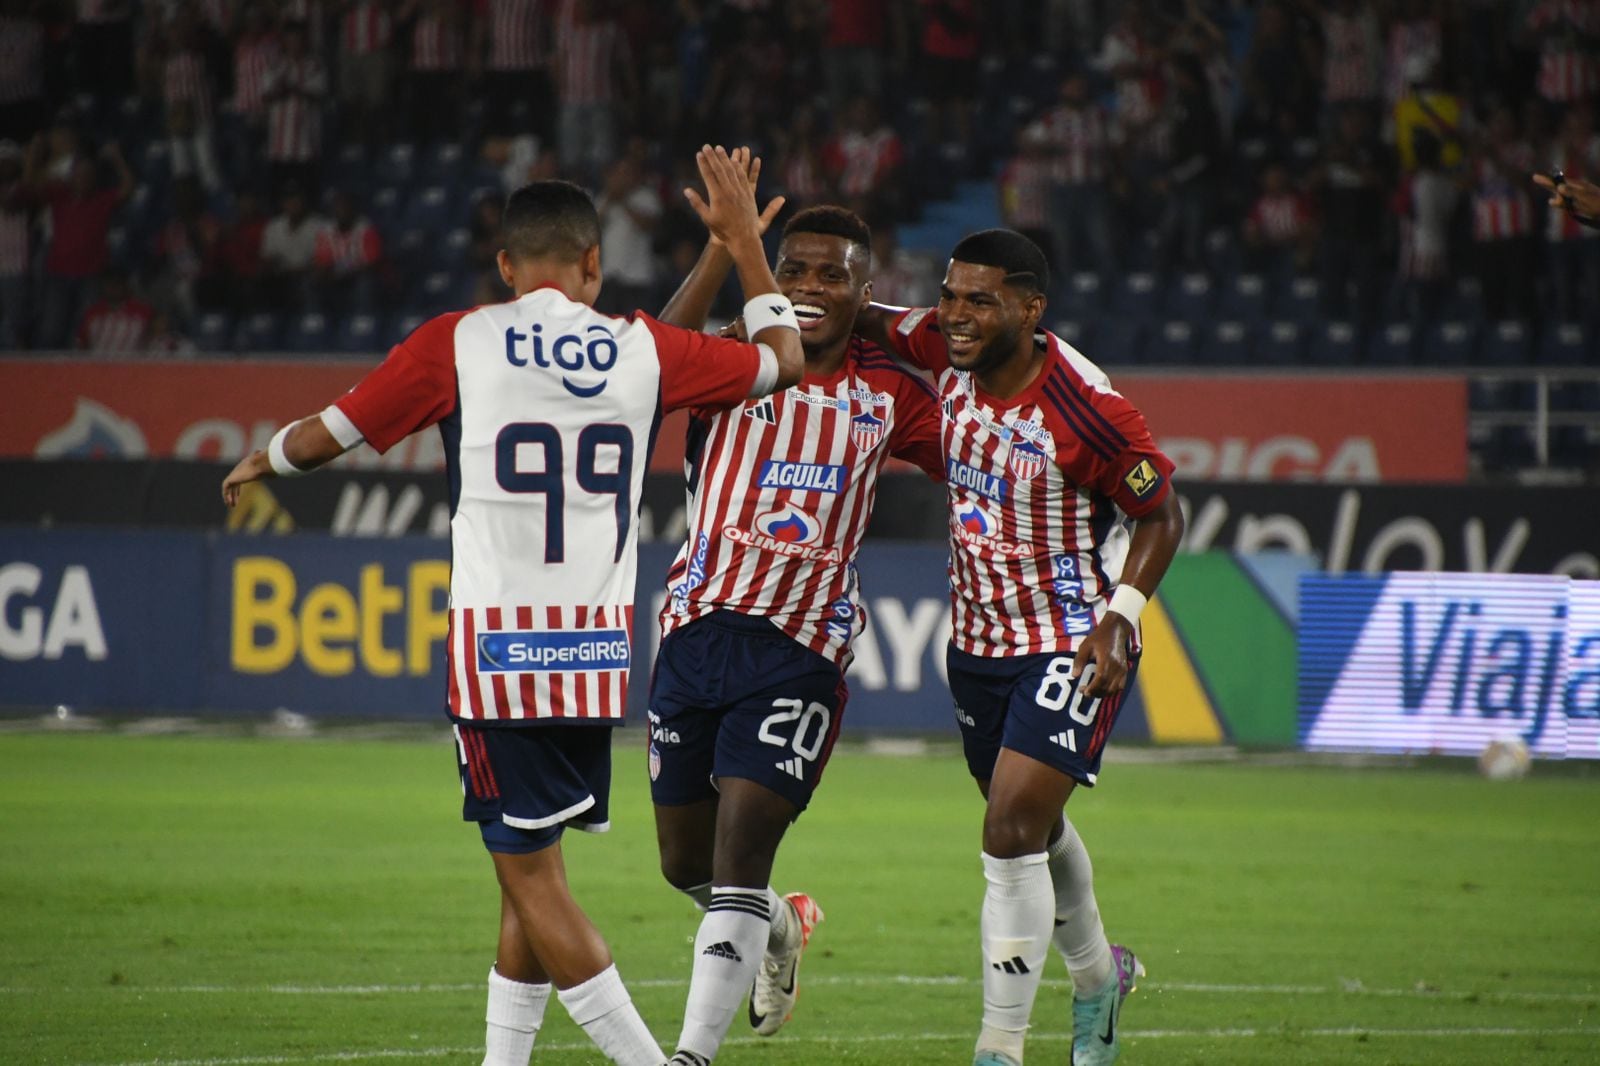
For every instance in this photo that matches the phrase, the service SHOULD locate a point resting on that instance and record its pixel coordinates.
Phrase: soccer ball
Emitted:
(1504, 759)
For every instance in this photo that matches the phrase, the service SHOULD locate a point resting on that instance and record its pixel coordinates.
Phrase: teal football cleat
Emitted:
(1096, 1034)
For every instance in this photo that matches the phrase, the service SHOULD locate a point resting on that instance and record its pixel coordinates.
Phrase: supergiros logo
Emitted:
(336, 629)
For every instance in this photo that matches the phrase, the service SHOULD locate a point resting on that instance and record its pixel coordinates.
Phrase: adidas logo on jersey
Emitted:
(1013, 965)
(722, 949)
(795, 768)
(764, 411)
(1065, 740)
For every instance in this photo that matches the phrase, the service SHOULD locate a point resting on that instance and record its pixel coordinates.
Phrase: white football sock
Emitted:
(727, 951)
(516, 1010)
(1079, 934)
(602, 1006)
(1017, 911)
(778, 937)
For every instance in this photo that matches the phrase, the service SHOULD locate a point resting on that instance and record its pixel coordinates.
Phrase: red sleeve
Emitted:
(915, 337)
(916, 435)
(1126, 464)
(410, 390)
(699, 370)
(323, 255)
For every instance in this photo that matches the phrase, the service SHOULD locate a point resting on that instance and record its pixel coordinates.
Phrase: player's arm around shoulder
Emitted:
(912, 333)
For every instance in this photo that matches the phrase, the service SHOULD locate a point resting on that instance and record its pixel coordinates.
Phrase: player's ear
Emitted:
(866, 296)
(503, 260)
(1033, 307)
(591, 265)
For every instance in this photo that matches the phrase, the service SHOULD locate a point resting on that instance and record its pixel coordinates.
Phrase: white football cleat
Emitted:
(778, 981)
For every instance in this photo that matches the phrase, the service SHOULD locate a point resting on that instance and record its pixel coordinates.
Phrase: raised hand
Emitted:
(729, 207)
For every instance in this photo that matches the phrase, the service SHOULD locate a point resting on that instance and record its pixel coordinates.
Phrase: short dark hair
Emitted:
(549, 219)
(831, 221)
(1021, 259)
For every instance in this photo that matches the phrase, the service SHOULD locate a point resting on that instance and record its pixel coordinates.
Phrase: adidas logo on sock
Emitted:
(763, 412)
(1065, 740)
(1013, 965)
(795, 768)
(722, 949)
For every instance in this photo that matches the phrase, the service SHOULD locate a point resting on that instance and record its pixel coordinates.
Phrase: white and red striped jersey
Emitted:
(546, 409)
(116, 327)
(781, 490)
(254, 56)
(1039, 485)
(1569, 69)
(21, 59)
(1025, 192)
(184, 81)
(294, 91)
(1280, 218)
(436, 40)
(860, 162)
(587, 58)
(517, 31)
(1078, 143)
(345, 251)
(1501, 206)
(365, 28)
(1352, 56)
(1419, 37)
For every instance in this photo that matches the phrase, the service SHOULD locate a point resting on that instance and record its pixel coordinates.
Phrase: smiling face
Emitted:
(985, 321)
(825, 277)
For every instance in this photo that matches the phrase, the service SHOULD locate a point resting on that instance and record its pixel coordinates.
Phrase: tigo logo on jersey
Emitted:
(789, 532)
(1027, 461)
(597, 349)
(982, 482)
(530, 651)
(803, 477)
(866, 430)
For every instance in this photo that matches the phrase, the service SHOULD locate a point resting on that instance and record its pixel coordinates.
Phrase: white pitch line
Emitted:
(898, 1038)
(1342, 988)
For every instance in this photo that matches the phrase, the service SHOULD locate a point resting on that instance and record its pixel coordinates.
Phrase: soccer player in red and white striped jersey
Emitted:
(763, 603)
(546, 410)
(1045, 462)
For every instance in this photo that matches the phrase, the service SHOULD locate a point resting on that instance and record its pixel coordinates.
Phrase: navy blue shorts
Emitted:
(734, 696)
(1030, 704)
(524, 784)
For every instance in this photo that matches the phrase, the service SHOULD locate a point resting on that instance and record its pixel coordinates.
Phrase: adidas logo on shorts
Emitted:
(722, 949)
(795, 768)
(1065, 740)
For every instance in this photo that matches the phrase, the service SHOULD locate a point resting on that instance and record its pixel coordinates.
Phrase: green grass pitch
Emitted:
(234, 901)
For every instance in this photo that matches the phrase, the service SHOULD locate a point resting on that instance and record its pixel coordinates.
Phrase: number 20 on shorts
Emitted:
(803, 715)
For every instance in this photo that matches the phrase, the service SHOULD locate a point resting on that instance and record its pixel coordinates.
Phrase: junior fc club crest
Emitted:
(866, 430)
(1027, 461)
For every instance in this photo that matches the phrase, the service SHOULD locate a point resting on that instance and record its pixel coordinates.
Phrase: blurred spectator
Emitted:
(165, 340)
(1280, 231)
(1569, 61)
(295, 86)
(949, 66)
(348, 258)
(366, 68)
(594, 79)
(1574, 249)
(1502, 218)
(1427, 201)
(1077, 132)
(509, 44)
(1132, 58)
(288, 251)
(1352, 53)
(22, 101)
(1024, 188)
(855, 48)
(256, 49)
(16, 246)
(118, 321)
(187, 255)
(693, 63)
(437, 61)
(1416, 41)
(630, 210)
(186, 91)
(800, 172)
(1424, 107)
(81, 211)
(1351, 179)
(898, 279)
(750, 83)
(1191, 180)
(863, 161)
(1279, 101)
(103, 48)
(239, 253)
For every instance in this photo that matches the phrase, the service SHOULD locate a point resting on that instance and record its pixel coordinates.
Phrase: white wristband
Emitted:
(768, 310)
(275, 455)
(1128, 602)
(766, 372)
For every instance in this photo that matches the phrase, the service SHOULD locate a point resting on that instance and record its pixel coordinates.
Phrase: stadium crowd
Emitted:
(322, 174)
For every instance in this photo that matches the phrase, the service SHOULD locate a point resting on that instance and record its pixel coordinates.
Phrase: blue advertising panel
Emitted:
(91, 619)
(1444, 663)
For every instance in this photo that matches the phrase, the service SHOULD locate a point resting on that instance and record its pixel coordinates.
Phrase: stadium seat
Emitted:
(1172, 344)
(1393, 344)
(383, 207)
(430, 209)
(1575, 396)
(260, 332)
(1226, 343)
(1450, 344)
(1281, 343)
(1564, 344)
(457, 244)
(1334, 344)
(361, 333)
(1510, 447)
(411, 249)
(400, 163)
(1118, 342)
(310, 333)
(445, 161)
(155, 163)
(1083, 295)
(117, 244)
(1301, 300)
(438, 291)
(351, 168)
(1575, 447)
(1137, 295)
(1074, 332)
(1508, 343)
(213, 332)
(1497, 395)
(1245, 298)
(1191, 297)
